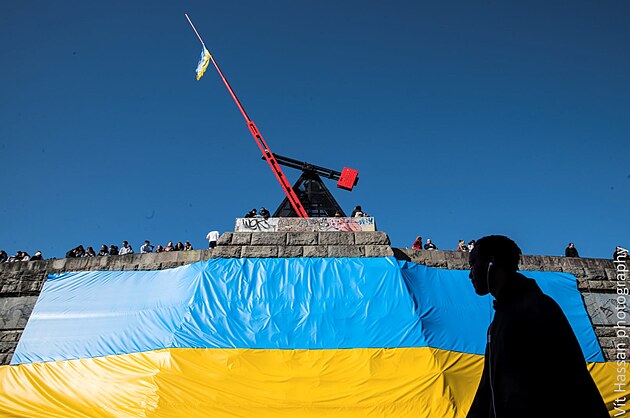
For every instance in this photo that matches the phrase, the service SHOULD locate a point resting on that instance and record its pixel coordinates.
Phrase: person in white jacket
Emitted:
(212, 237)
(125, 249)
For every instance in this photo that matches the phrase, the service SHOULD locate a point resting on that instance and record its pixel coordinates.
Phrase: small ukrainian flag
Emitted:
(203, 62)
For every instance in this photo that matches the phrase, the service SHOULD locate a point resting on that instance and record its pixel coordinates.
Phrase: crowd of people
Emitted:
(569, 251)
(105, 250)
(357, 212)
(264, 213)
(430, 245)
(20, 256)
(126, 248)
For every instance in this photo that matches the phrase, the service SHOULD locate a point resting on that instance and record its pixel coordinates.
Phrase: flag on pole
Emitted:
(204, 60)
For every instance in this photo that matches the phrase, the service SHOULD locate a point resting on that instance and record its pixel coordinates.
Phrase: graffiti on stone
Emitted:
(304, 224)
(256, 225)
(601, 308)
(364, 221)
(325, 224)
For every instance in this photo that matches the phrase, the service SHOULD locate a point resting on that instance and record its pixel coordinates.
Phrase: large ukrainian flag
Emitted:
(347, 337)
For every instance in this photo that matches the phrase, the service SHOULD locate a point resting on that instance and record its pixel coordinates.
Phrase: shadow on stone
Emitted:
(400, 255)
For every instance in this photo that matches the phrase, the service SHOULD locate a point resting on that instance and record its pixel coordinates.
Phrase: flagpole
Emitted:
(225, 81)
(195, 29)
(260, 141)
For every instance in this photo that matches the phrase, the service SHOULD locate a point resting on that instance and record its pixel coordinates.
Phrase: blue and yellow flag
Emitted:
(204, 60)
(266, 338)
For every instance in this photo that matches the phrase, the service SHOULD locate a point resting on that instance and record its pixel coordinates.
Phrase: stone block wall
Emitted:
(21, 282)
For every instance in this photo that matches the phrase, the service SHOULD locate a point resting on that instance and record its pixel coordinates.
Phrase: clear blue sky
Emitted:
(463, 118)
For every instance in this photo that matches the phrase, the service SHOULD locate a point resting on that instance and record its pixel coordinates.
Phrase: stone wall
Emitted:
(21, 282)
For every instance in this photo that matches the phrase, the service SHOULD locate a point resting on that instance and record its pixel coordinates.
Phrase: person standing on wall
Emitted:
(571, 251)
(534, 365)
(212, 237)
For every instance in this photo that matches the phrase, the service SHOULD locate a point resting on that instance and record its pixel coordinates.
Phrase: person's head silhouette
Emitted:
(493, 260)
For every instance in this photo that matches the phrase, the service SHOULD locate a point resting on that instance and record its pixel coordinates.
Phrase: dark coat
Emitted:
(535, 360)
(571, 252)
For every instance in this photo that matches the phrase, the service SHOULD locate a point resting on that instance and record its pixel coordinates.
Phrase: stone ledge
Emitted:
(260, 251)
(335, 238)
(302, 238)
(378, 251)
(27, 277)
(314, 251)
(226, 252)
(241, 238)
(291, 251)
(269, 238)
(225, 239)
(371, 238)
(345, 251)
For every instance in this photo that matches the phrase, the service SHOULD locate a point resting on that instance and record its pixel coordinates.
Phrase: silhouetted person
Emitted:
(357, 212)
(571, 251)
(264, 213)
(534, 366)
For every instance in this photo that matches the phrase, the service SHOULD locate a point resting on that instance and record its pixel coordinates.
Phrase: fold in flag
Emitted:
(204, 60)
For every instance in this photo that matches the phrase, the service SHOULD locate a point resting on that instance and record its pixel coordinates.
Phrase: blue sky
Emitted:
(462, 118)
